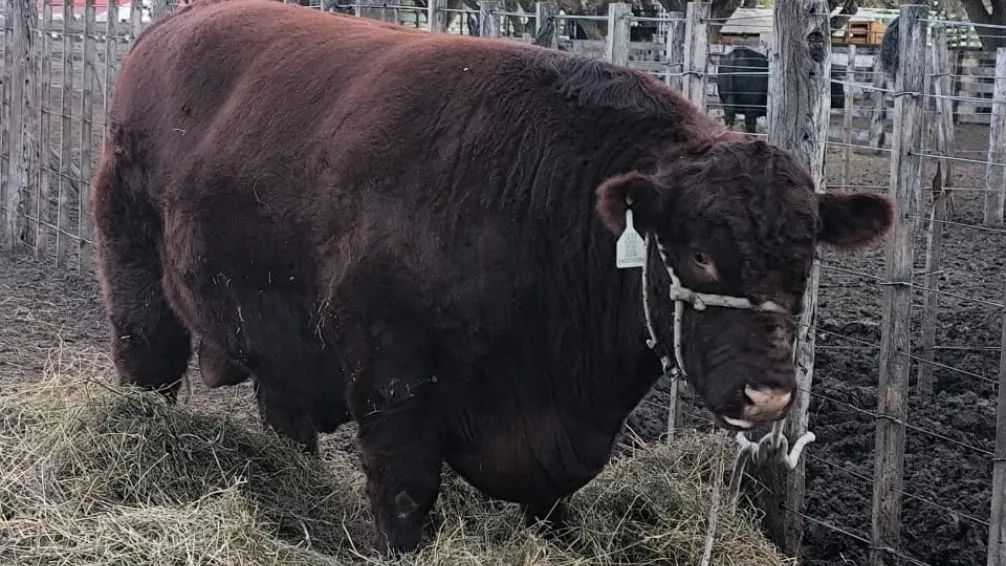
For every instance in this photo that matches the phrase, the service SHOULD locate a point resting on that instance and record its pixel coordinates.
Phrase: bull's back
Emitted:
(248, 74)
(276, 132)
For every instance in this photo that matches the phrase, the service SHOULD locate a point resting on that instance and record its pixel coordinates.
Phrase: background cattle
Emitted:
(889, 54)
(742, 85)
(444, 275)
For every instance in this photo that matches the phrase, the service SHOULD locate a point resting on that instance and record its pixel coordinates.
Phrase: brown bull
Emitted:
(417, 232)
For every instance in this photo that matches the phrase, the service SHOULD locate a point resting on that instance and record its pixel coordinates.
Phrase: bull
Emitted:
(420, 235)
(742, 86)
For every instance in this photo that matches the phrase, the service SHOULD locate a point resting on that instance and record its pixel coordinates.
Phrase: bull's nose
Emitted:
(766, 403)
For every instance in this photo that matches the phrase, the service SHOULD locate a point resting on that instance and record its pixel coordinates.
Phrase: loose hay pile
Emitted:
(90, 475)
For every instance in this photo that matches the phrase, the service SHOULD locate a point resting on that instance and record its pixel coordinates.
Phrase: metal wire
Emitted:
(919, 498)
(878, 416)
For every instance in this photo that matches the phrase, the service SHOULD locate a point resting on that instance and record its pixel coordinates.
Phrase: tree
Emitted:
(987, 13)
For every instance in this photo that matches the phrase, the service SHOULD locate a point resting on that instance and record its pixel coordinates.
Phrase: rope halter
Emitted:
(680, 295)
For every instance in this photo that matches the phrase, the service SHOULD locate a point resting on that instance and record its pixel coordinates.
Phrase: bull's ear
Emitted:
(853, 221)
(635, 190)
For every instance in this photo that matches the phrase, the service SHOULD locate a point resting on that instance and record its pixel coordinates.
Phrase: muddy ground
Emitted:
(51, 318)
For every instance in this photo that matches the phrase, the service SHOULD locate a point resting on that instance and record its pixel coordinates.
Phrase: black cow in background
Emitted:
(889, 50)
(742, 84)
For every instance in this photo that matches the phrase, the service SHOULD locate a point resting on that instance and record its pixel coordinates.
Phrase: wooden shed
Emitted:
(746, 26)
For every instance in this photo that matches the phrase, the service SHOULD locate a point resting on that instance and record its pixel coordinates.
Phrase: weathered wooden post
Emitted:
(87, 72)
(43, 191)
(895, 341)
(135, 24)
(942, 84)
(542, 12)
(159, 8)
(696, 52)
(6, 43)
(617, 42)
(849, 106)
(435, 16)
(111, 55)
(674, 50)
(997, 517)
(23, 18)
(489, 18)
(799, 77)
(995, 170)
(63, 218)
(878, 117)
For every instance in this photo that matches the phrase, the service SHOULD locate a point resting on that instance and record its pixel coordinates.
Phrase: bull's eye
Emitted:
(701, 259)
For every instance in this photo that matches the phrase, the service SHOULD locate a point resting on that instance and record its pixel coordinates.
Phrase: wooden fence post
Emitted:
(696, 52)
(136, 24)
(435, 17)
(942, 84)
(23, 18)
(86, 124)
(489, 18)
(617, 42)
(878, 118)
(542, 12)
(65, 182)
(895, 341)
(674, 53)
(799, 76)
(43, 191)
(674, 50)
(995, 170)
(849, 106)
(997, 516)
(159, 8)
(6, 45)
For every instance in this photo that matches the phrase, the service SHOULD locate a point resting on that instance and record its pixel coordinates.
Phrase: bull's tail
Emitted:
(150, 347)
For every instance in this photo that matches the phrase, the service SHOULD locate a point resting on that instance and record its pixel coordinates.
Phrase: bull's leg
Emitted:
(280, 411)
(393, 400)
(553, 516)
(750, 123)
(216, 368)
(150, 347)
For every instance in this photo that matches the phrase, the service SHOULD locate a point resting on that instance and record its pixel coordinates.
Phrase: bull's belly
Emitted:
(249, 309)
(527, 458)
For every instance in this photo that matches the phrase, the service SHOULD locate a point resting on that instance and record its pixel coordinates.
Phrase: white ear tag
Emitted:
(630, 250)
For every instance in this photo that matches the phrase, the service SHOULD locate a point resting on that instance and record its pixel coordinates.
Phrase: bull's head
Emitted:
(738, 219)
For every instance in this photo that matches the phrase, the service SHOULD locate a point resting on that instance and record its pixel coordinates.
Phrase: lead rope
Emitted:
(775, 442)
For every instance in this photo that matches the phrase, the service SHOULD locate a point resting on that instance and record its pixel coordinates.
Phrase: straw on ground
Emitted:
(91, 474)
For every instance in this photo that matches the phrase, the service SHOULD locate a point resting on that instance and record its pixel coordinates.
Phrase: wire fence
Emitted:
(956, 289)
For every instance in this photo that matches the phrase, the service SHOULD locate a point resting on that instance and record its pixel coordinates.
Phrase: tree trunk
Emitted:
(995, 15)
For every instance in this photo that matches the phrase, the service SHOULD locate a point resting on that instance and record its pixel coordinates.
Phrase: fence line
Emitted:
(52, 120)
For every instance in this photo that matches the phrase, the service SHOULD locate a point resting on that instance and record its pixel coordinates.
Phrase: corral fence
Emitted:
(59, 62)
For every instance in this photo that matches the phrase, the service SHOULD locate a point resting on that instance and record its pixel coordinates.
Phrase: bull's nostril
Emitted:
(768, 401)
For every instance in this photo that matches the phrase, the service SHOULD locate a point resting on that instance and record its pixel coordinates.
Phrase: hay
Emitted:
(94, 475)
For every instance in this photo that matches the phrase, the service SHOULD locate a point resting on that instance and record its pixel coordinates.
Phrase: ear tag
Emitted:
(630, 250)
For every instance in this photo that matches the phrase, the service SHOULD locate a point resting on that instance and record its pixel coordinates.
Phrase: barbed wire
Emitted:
(919, 498)
(910, 356)
(860, 538)
(877, 416)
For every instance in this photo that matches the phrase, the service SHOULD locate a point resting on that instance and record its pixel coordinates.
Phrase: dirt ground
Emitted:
(52, 318)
